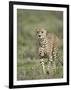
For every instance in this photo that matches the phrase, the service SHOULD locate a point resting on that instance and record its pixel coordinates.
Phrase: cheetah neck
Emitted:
(43, 42)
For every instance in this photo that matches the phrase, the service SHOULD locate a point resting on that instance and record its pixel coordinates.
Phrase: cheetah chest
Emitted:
(45, 45)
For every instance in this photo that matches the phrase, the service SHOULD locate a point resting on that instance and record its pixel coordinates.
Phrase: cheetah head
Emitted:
(41, 33)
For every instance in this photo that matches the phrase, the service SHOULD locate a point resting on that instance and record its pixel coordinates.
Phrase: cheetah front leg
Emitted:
(50, 61)
(51, 65)
(43, 66)
(54, 54)
(54, 59)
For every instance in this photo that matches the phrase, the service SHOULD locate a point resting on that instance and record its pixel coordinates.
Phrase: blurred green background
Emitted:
(28, 63)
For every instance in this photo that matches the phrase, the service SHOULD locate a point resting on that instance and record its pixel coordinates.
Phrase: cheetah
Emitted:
(48, 46)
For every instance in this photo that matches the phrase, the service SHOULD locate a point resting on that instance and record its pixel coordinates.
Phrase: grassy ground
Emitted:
(32, 69)
(28, 63)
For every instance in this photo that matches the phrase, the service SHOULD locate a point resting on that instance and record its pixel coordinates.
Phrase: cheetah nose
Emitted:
(39, 35)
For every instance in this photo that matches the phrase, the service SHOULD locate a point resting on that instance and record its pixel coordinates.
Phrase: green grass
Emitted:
(32, 69)
(28, 63)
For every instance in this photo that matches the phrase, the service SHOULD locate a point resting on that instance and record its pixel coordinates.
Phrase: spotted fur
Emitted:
(48, 45)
